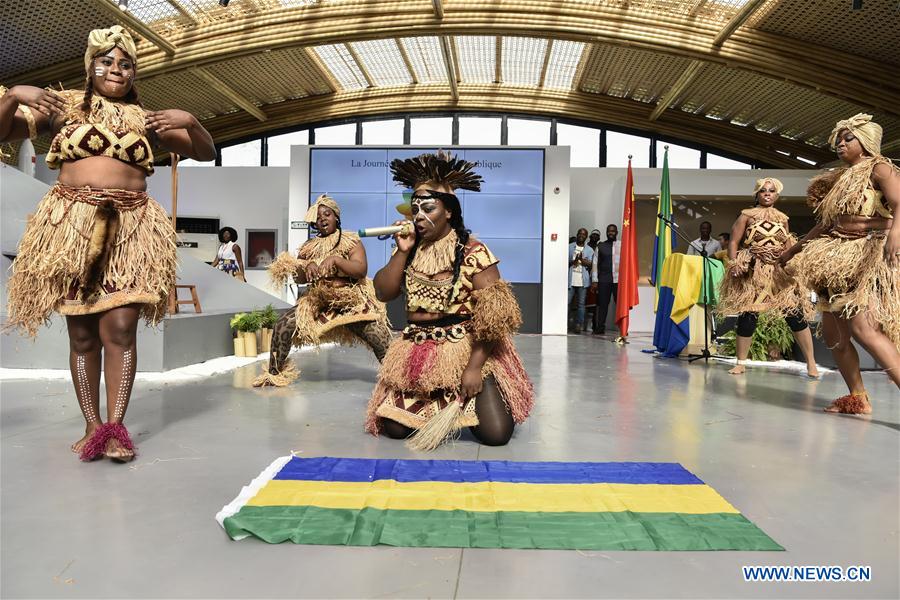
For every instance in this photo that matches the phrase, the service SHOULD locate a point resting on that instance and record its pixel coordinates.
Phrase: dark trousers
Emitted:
(605, 291)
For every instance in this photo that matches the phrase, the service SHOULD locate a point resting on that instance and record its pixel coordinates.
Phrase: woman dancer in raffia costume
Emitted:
(756, 281)
(98, 249)
(340, 305)
(851, 258)
(455, 364)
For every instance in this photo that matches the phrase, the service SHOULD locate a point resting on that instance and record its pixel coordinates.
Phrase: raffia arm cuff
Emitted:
(285, 268)
(29, 118)
(497, 312)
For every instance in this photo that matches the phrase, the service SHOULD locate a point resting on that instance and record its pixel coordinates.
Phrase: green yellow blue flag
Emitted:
(488, 504)
(664, 240)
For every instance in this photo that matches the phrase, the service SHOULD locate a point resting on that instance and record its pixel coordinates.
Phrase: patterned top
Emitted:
(766, 233)
(93, 139)
(433, 295)
(111, 128)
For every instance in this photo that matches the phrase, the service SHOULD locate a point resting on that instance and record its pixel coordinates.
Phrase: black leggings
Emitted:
(495, 423)
(746, 323)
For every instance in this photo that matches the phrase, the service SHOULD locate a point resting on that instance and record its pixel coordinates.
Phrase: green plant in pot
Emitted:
(268, 318)
(772, 340)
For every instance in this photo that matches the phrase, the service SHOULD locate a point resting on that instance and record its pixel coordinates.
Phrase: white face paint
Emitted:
(100, 70)
(422, 203)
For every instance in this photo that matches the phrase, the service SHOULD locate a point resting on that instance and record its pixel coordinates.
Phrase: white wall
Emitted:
(240, 197)
(557, 210)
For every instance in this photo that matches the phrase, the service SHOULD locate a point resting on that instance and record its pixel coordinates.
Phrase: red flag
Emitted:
(628, 260)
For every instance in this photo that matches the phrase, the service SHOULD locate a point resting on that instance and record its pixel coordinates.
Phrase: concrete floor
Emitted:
(825, 487)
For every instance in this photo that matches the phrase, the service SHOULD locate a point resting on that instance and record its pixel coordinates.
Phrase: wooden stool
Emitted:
(174, 302)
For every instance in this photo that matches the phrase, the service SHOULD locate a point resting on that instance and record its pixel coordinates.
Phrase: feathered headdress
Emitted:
(441, 168)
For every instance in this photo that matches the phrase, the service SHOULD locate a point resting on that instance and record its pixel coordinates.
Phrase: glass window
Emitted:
(527, 132)
(247, 154)
(431, 132)
(679, 156)
(714, 161)
(190, 162)
(336, 135)
(620, 145)
(388, 133)
(584, 143)
(280, 147)
(479, 131)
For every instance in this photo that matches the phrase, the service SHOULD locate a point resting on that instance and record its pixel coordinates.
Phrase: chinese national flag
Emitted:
(628, 260)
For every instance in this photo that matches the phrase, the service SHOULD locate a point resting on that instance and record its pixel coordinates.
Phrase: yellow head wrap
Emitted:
(761, 182)
(324, 200)
(867, 132)
(101, 41)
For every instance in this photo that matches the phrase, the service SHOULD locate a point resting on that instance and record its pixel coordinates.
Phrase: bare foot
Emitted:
(117, 452)
(738, 370)
(88, 432)
(812, 371)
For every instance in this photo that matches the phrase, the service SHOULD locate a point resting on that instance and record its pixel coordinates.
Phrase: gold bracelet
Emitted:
(29, 118)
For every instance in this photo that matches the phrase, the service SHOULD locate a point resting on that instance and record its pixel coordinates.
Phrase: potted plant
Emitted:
(772, 339)
(238, 338)
(249, 326)
(268, 318)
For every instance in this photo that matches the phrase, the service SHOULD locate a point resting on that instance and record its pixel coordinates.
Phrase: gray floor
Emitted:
(825, 487)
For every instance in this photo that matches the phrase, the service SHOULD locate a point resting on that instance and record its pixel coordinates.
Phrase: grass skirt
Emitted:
(322, 313)
(755, 285)
(851, 276)
(86, 251)
(417, 380)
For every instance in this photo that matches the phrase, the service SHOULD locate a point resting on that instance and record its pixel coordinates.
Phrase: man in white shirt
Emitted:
(704, 242)
(580, 257)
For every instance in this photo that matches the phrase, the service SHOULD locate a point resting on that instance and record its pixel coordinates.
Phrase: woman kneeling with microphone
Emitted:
(340, 305)
(455, 365)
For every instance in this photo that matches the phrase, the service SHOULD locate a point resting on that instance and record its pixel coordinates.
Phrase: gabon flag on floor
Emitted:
(628, 260)
(488, 504)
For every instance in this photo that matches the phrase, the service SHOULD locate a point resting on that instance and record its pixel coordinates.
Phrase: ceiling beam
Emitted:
(184, 12)
(131, 22)
(229, 92)
(867, 82)
(581, 71)
(409, 67)
(595, 108)
(359, 63)
(684, 80)
(324, 73)
(546, 64)
(438, 9)
(451, 70)
(688, 75)
(737, 20)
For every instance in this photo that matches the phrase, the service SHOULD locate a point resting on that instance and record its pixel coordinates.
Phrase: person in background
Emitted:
(605, 276)
(228, 257)
(724, 239)
(580, 257)
(704, 242)
(590, 298)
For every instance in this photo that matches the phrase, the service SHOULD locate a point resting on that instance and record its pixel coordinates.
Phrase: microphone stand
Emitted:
(705, 354)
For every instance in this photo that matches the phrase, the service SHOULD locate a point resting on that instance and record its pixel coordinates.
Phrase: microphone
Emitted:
(404, 230)
(669, 221)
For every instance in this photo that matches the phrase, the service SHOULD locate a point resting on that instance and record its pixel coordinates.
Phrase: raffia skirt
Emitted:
(762, 285)
(850, 276)
(88, 250)
(421, 375)
(323, 312)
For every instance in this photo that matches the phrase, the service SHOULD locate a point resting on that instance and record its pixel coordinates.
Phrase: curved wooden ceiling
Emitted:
(765, 79)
